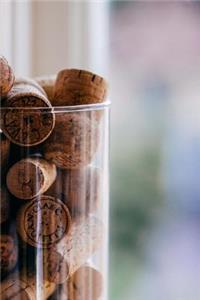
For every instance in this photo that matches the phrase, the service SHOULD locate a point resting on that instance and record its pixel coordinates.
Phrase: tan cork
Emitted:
(25, 286)
(79, 87)
(84, 238)
(47, 83)
(85, 284)
(43, 222)
(6, 77)
(24, 119)
(80, 189)
(55, 268)
(30, 177)
(73, 142)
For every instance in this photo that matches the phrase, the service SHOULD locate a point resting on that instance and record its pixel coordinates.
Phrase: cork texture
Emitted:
(13, 288)
(6, 77)
(43, 222)
(78, 87)
(30, 177)
(80, 190)
(20, 122)
(73, 142)
(84, 238)
(9, 253)
(55, 268)
(25, 287)
(29, 82)
(4, 151)
(85, 284)
(47, 83)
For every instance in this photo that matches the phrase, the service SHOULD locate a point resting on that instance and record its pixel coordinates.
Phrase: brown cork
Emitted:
(85, 284)
(47, 83)
(25, 286)
(43, 222)
(4, 151)
(30, 82)
(8, 253)
(79, 87)
(12, 288)
(4, 205)
(80, 189)
(55, 268)
(6, 77)
(24, 119)
(30, 177)
(84, 238)
(73, 142)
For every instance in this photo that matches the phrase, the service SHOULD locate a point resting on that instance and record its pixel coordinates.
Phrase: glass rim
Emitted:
(57, 109)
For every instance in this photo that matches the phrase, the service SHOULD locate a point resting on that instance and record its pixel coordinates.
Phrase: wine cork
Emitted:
(25, 287)
(4, 205)
(78, 87)
(29, 82)
(9, 253)
(5, 146)
(55, 268)
(84, 238)
(82, 190)
(6, 77)
(73, 142)
(79, 189)
(27, 118)
(13, 288)
(47, 83)
(85, 284)
(30, 177)
(43, 222)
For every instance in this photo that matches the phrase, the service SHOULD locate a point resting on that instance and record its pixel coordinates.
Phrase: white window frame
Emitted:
(15, 33)
(84, 22)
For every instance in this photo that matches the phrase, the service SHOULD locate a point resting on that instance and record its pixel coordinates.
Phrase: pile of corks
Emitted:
(50, 192)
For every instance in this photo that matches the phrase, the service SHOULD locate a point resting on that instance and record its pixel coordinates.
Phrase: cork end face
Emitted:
(55, 268)
(6, 77)
(43, 222)
(85, 284)
(25, 180)
(27, 127)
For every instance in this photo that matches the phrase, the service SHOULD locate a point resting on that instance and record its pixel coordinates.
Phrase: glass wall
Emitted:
(149, 51)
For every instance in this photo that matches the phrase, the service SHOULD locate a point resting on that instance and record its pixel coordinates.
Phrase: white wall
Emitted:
(6, 29)
(70, 34)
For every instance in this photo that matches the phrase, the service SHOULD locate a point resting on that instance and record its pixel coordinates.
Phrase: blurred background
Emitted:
(150, 54)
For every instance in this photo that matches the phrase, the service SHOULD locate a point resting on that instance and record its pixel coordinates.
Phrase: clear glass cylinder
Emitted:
(54, 202)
